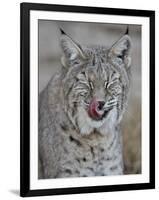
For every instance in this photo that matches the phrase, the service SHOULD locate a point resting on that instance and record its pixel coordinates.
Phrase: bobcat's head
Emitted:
(95, 83)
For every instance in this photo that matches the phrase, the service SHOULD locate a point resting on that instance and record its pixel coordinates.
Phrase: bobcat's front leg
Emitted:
(48, 154)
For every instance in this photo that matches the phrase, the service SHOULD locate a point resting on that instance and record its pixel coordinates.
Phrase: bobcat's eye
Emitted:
(91, 85)
(76, 62)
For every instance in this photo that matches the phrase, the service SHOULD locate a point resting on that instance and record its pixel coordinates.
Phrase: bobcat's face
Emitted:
(95, 86)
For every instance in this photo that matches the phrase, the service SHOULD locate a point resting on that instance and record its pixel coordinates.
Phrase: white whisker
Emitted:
(110, 104)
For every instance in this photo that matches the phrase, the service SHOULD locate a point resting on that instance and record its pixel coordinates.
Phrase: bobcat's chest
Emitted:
(88, 156)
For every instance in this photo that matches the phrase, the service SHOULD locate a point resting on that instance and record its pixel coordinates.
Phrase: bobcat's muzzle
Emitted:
(95, 109)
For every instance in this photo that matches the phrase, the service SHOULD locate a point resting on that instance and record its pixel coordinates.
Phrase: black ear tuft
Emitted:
(127, 31)
(62, 32)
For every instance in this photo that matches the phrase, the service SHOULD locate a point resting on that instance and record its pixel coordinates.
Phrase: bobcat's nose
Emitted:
(101, 104)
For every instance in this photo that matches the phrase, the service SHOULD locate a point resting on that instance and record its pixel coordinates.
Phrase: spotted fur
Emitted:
(71, 143)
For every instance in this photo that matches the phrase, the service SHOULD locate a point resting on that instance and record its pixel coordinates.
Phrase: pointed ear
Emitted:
(71, 49)
(121, 50)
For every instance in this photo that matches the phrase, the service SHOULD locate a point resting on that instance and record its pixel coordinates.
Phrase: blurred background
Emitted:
(98, 34)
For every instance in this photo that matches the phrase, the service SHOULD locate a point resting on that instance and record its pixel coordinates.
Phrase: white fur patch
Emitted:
(86, 124)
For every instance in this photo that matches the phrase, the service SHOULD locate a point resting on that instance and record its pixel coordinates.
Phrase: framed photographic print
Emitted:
(87, 99)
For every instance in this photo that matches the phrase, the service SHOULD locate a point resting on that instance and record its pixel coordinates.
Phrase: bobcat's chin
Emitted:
(86, 124)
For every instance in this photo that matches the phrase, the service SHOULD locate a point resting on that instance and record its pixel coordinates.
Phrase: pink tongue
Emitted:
(93, 109)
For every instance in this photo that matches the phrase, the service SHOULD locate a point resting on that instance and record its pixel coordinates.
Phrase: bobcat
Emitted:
(81, 108)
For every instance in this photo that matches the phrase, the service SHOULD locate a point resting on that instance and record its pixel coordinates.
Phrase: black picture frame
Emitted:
(25, 9)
